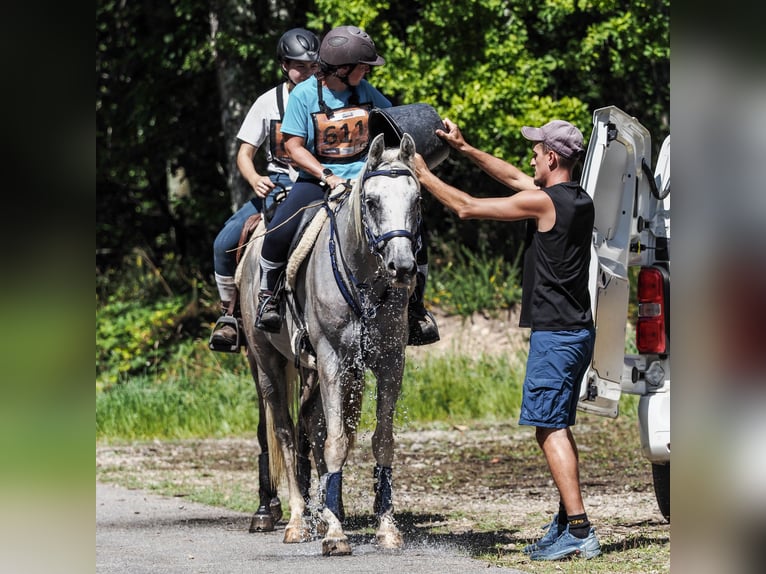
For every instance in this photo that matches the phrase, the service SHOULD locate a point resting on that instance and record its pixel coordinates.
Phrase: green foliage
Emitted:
(469, 282)
(141, 321)
(490, 65)
(205, 400)
(143, 327)
(129, 337)
(208, 400)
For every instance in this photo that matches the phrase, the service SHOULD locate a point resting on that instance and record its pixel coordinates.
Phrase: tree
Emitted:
(174, 79)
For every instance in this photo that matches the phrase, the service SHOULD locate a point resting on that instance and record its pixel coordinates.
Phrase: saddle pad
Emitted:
(303, 247)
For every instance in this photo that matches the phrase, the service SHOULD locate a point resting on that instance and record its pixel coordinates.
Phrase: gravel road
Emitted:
(138, 533)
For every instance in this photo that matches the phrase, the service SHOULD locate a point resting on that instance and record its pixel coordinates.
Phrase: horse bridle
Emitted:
(376, 243)
(354, 294)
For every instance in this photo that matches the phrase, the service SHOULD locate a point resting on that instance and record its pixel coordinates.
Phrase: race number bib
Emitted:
(342, 135)
(277, 144)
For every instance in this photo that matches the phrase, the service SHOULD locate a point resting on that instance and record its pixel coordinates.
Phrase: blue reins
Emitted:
(358, 304)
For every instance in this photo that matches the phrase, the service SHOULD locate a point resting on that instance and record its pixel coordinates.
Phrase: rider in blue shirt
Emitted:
(326, 135)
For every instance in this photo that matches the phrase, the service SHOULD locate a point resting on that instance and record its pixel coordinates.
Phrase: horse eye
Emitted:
(371, 203)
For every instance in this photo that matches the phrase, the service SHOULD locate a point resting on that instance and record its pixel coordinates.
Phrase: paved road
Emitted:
(139, 533)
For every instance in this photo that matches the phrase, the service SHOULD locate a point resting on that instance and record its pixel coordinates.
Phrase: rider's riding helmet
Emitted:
(348, 46)
(298, 44)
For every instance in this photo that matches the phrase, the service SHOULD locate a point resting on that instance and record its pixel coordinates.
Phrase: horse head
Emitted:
(389, 200)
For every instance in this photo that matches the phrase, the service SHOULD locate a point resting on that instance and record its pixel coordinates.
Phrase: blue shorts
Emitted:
(556, 365)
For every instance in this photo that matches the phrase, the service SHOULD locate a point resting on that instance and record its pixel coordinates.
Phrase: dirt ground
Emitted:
(485, 486)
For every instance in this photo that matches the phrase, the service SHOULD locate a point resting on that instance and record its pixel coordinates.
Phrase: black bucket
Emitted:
(420, 121)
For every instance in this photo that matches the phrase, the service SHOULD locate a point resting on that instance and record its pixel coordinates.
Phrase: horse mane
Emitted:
(355, 208)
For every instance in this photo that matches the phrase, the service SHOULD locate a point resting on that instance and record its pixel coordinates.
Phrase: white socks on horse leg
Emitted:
(227, 288)
(270, 273)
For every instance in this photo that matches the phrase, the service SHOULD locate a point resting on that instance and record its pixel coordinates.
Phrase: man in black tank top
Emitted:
(555, 303)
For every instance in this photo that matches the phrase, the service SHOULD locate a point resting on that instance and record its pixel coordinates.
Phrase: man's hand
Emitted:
(421, 168)
(452, 136)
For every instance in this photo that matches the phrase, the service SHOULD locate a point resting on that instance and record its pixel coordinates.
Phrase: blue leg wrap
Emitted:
(333, 484)
(384, 494)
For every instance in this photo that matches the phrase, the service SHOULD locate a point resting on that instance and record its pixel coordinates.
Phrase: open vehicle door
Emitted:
(616, 175)
(631, 229)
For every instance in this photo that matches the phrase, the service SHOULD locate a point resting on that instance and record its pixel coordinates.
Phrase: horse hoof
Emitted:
(296, 535)
(275, 507)
(336, 547)
(390, 540)
(263, 521)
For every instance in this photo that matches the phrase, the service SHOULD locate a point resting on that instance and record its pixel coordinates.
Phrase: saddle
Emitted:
(247, 231)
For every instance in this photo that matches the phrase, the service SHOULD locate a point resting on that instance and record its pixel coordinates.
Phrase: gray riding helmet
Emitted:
(349, 45)
(298, 44)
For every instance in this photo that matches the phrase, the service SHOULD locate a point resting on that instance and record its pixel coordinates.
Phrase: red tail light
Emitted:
(651, 331)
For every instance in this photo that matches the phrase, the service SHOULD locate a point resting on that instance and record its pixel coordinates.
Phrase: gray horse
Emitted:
(347, 313)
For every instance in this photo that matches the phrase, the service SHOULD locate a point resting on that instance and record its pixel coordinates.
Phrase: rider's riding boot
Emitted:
(269, 318)
(226, 335)
(422, 325)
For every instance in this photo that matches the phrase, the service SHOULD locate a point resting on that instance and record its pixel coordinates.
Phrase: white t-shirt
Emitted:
(256, 127)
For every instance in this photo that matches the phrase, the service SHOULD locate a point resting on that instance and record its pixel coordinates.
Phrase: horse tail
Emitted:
(276, 458)
(276, 454)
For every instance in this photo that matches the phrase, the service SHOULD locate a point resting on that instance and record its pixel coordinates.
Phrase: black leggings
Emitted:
(283, 226)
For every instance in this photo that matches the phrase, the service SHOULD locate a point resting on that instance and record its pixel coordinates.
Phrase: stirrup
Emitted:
(223, 347)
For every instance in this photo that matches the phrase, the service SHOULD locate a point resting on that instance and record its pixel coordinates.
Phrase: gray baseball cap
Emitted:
(562, 137)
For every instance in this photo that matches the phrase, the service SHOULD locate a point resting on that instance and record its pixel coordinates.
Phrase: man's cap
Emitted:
(560, 136)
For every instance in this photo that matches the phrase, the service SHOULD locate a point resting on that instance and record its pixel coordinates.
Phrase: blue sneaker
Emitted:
(554, 531)
(567, 545)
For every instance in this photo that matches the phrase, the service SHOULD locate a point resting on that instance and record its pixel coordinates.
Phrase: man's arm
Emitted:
(526, 204)
(500, 170)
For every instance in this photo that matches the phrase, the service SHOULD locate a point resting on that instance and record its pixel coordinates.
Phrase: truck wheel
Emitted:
(661, 475)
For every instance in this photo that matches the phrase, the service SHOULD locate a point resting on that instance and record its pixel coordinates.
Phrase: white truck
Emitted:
(631, 229)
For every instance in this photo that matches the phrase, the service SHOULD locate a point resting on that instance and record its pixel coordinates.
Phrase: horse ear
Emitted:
(376, 150)
(407, 148)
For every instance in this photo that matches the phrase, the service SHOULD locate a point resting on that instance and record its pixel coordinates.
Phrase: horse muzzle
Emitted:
(403, 274)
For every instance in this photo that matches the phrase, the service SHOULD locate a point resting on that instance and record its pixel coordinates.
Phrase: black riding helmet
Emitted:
(298, 44)
(347, 46)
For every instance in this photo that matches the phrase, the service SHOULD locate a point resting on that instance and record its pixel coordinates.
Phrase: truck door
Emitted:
(615, 175)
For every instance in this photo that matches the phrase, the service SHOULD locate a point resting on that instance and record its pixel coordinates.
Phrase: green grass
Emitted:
(208, 402)
(177, 408)
(218, 402)
(459, 388)
(144, 327)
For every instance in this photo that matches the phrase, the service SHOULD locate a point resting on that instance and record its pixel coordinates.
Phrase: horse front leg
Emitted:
(389, 386)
